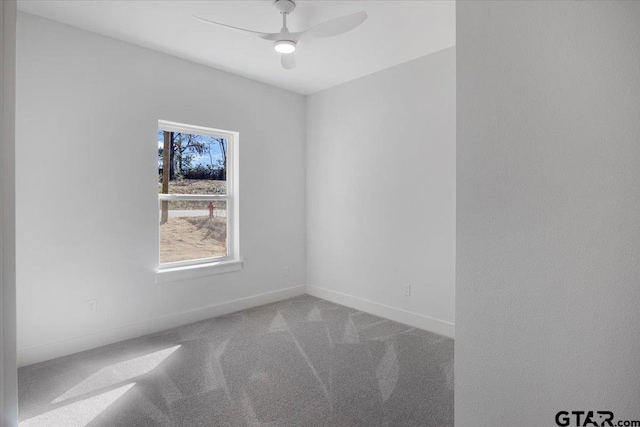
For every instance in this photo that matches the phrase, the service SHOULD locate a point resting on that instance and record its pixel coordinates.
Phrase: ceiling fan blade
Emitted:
(337, 26)
(266, 36)
(288, 60)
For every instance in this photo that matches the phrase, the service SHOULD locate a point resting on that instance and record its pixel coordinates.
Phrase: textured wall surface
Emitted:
(8, 380)
(381, 191)
(548, 202)
(87, 116)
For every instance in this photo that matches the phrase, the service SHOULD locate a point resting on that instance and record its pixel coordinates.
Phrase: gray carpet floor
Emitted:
(300, 362)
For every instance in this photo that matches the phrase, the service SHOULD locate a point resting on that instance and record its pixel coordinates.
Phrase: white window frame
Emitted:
(206, 266)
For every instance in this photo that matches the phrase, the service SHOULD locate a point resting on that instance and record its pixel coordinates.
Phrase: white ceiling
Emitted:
(395, 32)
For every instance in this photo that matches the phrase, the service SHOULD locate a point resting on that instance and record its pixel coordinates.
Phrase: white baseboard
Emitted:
(40, 353)
(410, 318)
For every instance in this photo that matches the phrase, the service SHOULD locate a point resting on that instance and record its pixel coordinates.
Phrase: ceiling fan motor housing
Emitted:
(284, 6)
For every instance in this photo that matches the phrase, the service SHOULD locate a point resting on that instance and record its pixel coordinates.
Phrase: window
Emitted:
(197, 196)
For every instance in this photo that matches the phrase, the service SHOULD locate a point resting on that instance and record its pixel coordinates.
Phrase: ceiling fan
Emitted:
(285, 42)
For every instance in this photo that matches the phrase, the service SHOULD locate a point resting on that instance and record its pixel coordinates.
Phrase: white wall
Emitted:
(381, 192)
(548, 230)
(8, 379)
(87, 112)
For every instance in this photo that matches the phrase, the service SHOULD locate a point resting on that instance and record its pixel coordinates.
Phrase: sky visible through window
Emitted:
(211, 156)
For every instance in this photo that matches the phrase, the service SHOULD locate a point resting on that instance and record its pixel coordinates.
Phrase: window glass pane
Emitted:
(197, 163)
(191, 230)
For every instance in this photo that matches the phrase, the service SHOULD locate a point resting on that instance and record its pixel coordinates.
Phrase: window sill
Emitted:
(200, 270)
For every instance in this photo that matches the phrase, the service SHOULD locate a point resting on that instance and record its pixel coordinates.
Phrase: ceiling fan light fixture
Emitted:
(285, 46)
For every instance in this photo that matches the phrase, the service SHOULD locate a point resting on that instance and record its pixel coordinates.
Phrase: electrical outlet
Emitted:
(407, 289)
(92, 306)
(286, 270)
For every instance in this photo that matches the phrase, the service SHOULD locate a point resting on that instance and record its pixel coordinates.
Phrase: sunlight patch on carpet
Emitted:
(78, 413)
(113, 374)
